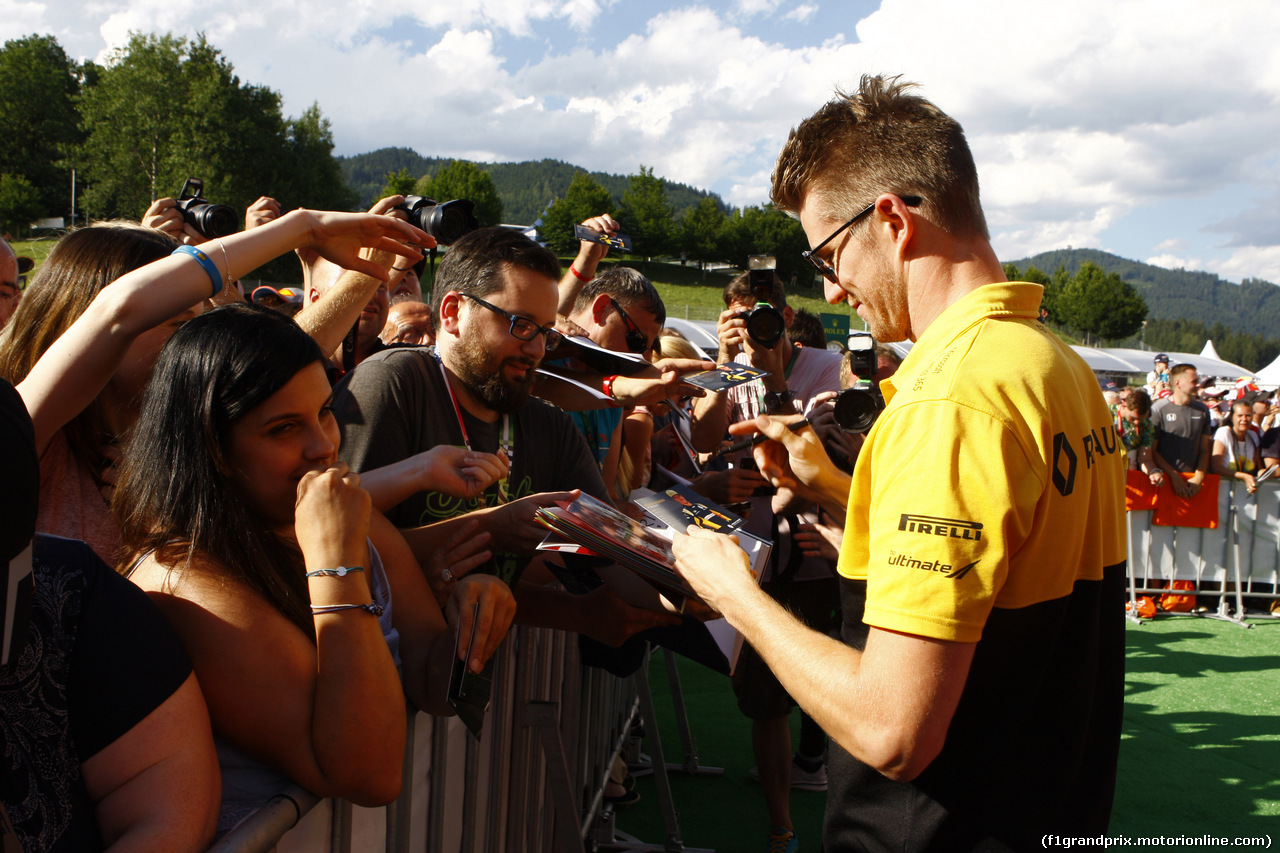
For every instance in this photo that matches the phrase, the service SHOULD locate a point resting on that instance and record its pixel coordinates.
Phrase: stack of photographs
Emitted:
(643, 572)
(604, 531)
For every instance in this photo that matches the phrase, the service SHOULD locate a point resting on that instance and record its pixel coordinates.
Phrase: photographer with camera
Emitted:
(752, 331)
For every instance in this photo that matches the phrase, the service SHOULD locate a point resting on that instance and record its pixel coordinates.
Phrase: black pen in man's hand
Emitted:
(758, 439)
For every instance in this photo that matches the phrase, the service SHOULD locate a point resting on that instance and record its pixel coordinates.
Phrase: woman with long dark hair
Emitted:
(144, 761)
(141, 287)
(269, 561)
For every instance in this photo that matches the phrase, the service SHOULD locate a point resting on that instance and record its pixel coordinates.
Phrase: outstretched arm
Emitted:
(583, 268)
(445, 468)
(330, 317)
(78, 365)
(895, 724)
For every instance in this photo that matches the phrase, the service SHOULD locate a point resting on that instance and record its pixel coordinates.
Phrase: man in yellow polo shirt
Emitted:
(976, 701)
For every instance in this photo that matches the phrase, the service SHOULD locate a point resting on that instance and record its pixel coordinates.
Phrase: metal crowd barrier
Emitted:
(534, 782)
(1236, 562)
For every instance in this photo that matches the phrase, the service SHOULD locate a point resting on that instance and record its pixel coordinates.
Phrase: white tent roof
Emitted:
(1122, 360)
(1105, 361)
(1142, 362)
(1269, 376)
(1209, 350)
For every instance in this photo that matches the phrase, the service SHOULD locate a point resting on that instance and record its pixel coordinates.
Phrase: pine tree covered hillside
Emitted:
(525, 188)
(1251, 307)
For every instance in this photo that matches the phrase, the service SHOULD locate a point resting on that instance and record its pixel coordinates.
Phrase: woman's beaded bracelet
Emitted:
(340, 572)
(374, 608)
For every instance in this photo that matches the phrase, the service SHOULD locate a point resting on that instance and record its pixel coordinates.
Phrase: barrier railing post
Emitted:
(691, 763)
(261, 833)
(340, 827)
(541, 718)
(670, 817)
(439, 771)
(400, 813)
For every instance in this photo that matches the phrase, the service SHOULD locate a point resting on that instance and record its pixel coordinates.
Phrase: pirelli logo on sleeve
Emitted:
(932, 525)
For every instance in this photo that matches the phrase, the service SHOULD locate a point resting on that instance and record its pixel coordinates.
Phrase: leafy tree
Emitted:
(464, 179)
(20, 204)
(768, 231)
(700, 232)
(646, 215)
(1100, 304)
(140, 130)
(306, 175)
(166, 108)
(398, 183)
(1035, 276)
(1054, 286)
(38, 119)
(310, 174)
(584, 199)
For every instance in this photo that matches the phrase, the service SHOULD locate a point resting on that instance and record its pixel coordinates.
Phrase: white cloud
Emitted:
(1080, 113)
(801, 14)
(1250, 262)
(1173, 244)
(750, 8)
(1175, 262)
(1082, 116)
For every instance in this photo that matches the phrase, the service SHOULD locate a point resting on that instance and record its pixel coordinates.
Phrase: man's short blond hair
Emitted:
(881, 139)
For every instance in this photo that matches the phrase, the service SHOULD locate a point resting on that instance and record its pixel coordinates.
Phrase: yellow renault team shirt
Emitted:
(994, 478)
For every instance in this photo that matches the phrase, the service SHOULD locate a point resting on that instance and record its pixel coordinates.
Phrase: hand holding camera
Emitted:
(445, 221)
(193, 219)
(857, 407)
(207, 219)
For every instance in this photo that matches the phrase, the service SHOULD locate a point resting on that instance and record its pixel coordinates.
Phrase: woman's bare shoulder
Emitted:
(178, 582)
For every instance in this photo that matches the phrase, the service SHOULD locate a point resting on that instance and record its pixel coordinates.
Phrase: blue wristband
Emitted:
(205, 261)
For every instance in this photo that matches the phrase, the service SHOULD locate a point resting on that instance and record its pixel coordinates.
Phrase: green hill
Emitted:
(525, 188)
(1251, 307)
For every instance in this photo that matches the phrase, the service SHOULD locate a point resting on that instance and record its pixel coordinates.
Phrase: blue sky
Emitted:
(1147, 128)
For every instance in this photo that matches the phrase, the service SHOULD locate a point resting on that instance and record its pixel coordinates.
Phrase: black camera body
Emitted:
(857, 408)
(446, 221)
(208, 219)
(765, 324)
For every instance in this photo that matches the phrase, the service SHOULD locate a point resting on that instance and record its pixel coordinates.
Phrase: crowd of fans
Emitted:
(1180, 426)
(310, 483)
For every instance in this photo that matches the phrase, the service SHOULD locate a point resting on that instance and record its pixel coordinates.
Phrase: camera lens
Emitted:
(446, 222)
(213, 220)
(856, 410)
(766, 326)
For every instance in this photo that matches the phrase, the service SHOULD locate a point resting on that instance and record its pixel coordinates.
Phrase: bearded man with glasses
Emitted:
(976, 701)
(493, 303)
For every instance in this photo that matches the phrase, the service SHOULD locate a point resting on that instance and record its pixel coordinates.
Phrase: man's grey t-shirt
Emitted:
(396, 404)
(1179, 431)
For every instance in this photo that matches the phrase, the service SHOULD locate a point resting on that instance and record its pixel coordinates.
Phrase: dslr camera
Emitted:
(446, 221)
(765, 323)
(857, 408)
(208, 219)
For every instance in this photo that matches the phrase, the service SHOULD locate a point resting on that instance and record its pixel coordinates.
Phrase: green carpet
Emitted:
(1200, 754)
